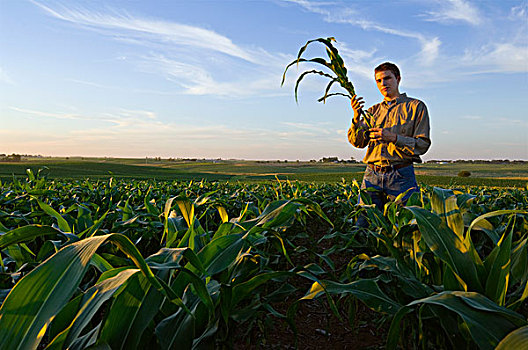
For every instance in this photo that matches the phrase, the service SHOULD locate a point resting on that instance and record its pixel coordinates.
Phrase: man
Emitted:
(398, 136)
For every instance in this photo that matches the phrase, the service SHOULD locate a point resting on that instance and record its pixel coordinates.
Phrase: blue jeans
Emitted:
(389, 185)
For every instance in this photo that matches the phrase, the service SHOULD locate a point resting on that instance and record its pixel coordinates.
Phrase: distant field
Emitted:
(499, 175)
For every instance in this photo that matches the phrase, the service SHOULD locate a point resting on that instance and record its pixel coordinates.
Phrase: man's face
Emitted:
(388, 84)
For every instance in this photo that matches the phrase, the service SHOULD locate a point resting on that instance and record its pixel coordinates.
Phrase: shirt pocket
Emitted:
(405, 129)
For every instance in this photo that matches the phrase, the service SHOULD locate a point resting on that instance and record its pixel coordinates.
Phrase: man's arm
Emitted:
(420, 141)
(358, 134)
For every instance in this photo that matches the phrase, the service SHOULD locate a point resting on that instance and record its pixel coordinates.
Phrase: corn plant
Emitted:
(336, 65)
(191, 288)
(164, 264)
(434, 253)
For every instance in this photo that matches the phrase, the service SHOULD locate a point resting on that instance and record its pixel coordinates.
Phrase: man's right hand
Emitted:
(357, 105)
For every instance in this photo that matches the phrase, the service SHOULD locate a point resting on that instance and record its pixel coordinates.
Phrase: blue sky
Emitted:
(202, 78)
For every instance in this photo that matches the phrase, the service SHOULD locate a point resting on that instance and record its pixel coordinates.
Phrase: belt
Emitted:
(388, 168)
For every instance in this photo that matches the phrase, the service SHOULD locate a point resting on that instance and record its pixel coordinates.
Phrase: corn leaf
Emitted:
(487, 322)
(444, 204)
(89, 304)
(178, 330)
(517, 339)
(327, 42)
(138, 303)
(220, 253)
(27, 233)
(499, 274)
(297, 61)
(367, 290)
(187, 210)
(63, 224)
(223, 214)
(448, 246)
(240, 291)
(166, 215)
(301, 77)
(492, 214)
(46, 289)
(131, 312)
(42, 293)
(519, 269)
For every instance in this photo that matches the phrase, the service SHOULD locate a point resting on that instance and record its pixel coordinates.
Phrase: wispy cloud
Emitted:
(165, 31)
(455, 11)
(90, 83)
(519, 12)
(45, 114)
(138, 133)
(498, 57)
(345, 14)
(119, 117)
(508, 54)
(314, 128)
(194, 58)
(508, 123)
(199, 80)
(5, 78)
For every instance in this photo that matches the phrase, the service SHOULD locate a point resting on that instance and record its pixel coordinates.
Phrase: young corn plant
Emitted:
(336, 66)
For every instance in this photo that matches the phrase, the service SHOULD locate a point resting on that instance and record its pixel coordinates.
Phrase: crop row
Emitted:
(134, 264)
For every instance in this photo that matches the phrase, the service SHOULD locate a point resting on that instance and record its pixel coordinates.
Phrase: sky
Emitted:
(202, 78)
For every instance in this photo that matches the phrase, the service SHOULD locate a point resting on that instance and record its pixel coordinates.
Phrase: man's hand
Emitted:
(357, 105)
(379, 134)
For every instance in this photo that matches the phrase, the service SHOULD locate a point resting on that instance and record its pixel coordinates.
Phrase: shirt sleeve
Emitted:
(358, 134)
(420, 141)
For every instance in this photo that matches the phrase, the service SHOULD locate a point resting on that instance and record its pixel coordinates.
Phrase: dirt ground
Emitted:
(318, 328)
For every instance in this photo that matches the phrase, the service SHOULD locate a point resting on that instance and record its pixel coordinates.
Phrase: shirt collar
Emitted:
(395, 101)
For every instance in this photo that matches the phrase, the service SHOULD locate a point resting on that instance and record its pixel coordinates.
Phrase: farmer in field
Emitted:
(398, 135)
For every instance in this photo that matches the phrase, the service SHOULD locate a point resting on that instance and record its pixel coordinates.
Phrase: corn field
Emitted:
(126, 264)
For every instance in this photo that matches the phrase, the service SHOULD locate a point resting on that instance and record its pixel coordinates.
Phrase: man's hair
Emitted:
(388, 66)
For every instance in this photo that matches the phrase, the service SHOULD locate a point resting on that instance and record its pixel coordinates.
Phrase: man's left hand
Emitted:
(379, 134)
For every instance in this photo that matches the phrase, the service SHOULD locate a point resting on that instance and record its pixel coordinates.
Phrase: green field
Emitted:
(495, 175)
(119, 263)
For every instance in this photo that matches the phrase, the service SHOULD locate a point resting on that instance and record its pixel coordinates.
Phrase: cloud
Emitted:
(519, 12)
(198, 80)
(456, 11)
(314, 128)
(506, 54)
(338, 13)
(516, 125)
(5, 78)
(165, 31)
(320, 7)
(430, 51)
(122, 132)
(498, 57)
(120, 117)
(196, 59)
(54, 115)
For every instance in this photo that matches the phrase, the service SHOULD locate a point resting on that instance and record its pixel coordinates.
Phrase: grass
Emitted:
(494, 175)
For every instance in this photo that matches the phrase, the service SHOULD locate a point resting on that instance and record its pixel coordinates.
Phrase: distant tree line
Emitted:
(18, 157)
(10, 158)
